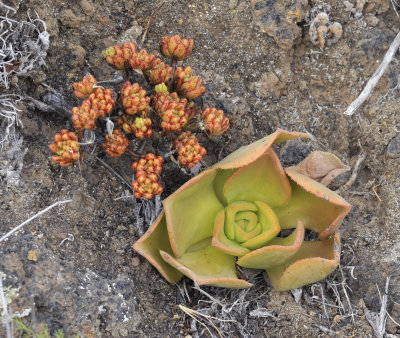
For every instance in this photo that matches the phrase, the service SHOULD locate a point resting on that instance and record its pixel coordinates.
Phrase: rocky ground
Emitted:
(262, 67)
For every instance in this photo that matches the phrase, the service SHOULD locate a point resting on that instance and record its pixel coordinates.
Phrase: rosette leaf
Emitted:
(236, 210)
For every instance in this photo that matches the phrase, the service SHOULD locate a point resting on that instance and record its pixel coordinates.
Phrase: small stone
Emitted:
(69, 19)
(33, 255)
(79, 54)
(393, 148)
(87, 7)
(233, 4)
(180, 21)
(135, 261)
(133, 33)
(122, 228)
(372, 20)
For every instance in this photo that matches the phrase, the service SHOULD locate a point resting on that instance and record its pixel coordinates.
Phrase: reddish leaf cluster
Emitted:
(99, 104)
(147, 171)
(66, 147)
(171, 110)
(116, 143)
(150, 164)
(174, 112)
(214, 121)
(190, 152)
(176, 48)
(120, 56)
(188, 84)
(85, 87)
(134, 99)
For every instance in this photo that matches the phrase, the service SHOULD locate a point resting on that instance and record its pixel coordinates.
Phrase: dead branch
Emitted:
(375, 77)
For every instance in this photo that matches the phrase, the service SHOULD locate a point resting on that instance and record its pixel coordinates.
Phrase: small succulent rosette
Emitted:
(248, 210)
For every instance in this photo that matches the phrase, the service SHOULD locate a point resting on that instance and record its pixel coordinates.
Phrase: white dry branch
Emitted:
(9, 118)
(372, 82)
(378, 320)
(32, 218)
(23, 44)
(6, 317)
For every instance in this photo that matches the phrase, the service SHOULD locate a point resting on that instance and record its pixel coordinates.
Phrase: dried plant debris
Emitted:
(355, 7)
(23, 44)
(323, 32)
(9, 118)
(223, 311)
(11, 143)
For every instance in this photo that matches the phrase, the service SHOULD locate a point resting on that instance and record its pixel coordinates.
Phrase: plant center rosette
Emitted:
(248, 210)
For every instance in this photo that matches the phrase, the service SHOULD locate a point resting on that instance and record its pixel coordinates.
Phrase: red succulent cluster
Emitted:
(176, 48)
(102, 100)
(182, 138)
(66, 147)
(142, 127)
(146, 185)
(150, 164)
(174, 111)
(188, 84)
(214, 121)
(85, 87)
(134, 99)
(190, 152)
(147, 181)
(160, 72)
(142, 60)
(85, 116)
(120, 56)
(99, 104)
(116, 143)
(171, 109)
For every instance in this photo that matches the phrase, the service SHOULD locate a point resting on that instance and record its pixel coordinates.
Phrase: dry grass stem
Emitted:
(32, 218)
(357, 167)
(378, 320)
(372, 82)
(198, 317)
(114, 172)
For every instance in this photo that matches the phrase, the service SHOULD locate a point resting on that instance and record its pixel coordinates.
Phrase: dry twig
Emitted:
(378, 320)
(32, 218)
(354, 174)
(372, 82)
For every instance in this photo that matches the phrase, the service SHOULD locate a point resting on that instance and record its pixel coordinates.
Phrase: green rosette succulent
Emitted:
(234, 213)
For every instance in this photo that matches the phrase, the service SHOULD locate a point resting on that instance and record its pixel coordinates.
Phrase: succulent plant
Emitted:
(163, 100)
(134, 99)
(214, 121)
(85, 87)
(160, 72)
(119, 56)
(190, 152)
(116, 143)
(146, 185)
(183, 137)
(234, 213)
(188, 84)
(150, 164)
(102, 101)
(85, 116)
(142, 127)
(174, 117)
(142, 60)
(66, 147)
(176, 48)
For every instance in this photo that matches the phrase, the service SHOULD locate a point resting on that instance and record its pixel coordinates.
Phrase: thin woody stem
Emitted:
(148, 23)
